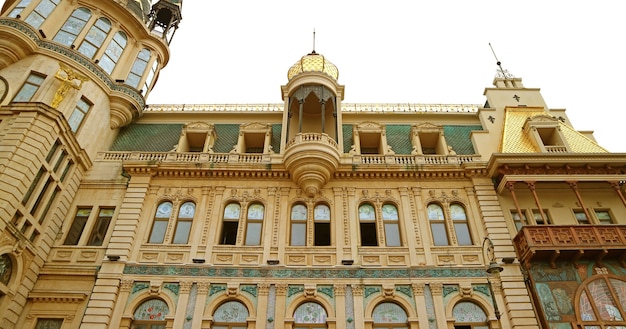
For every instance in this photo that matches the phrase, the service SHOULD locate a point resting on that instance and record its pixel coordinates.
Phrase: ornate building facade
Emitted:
(309, 213)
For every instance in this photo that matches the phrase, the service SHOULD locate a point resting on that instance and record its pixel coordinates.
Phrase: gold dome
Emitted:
(313, 62)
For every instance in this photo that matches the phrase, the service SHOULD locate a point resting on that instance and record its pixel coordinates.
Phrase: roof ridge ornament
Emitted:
(500, 72)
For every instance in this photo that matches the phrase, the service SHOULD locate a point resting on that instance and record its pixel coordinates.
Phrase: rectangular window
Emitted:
(49, 324)
(79, 113)
(322, 233)
(604, 217)
(30, 87)
(158, 230)
(368, 234)
(540, 220)
(229, 232)
(183, 228)
(518, 220)
(581, 217)
(76, 230)
(101, 227)
(33, 185)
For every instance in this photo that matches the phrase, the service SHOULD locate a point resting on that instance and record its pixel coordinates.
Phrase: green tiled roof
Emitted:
(399, 138)
(348, 140)
(147, 137)
(459, 138)
(227, 137)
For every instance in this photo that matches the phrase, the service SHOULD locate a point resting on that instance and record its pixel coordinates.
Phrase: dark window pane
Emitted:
(322, 234)
(368, 234)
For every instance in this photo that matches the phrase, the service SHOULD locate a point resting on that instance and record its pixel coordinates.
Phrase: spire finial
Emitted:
(313, 40)
(502, 73)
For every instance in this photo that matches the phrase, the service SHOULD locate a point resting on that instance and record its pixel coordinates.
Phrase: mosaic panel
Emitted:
(165, 270)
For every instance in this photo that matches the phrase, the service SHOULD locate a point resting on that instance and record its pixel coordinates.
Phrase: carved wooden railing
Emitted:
(570, 243)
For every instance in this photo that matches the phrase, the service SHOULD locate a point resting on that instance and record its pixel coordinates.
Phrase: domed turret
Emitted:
(313, 62)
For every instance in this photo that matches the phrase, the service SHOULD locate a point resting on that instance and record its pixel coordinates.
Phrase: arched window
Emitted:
(150, 315)
(309, 315)
(437, 225)
(113, 52)
(254, 224)
(73, 26)
(392, 229)
(19, 8)
(298, 225)
(230, 224)
(367, 220)
(461, 229)
(41, 12)
(151, 76)
(468, 315)
(183, 223)
(389, 315)
(138, 68)
(602, 303)
(6, 270)
(95, 37)
(230, 315)
(321, 219)
(441, 225)
(161, 219)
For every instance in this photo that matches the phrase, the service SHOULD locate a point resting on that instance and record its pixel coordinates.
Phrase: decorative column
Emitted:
(617, 186)
(574, 186)
(270, 231)
(300, 113)
(281, 301)
(198, 311)
(511, 187)
(116, 321)
(263, 302)
(323, 105)
(359, 316)
(440, 311)
(420, 302)
(181, 306)
(213, 218)
(340, 305)
(531, 187)
(409, 228)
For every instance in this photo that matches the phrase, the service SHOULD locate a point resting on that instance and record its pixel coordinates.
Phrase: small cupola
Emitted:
(313, 62)
(165, 17)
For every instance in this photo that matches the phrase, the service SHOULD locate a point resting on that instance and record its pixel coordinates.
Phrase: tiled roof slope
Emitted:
(164, 138)
(515, 140)
(148, 137)
(458, 137)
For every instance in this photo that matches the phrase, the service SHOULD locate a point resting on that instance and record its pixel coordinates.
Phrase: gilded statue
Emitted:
(69, 79)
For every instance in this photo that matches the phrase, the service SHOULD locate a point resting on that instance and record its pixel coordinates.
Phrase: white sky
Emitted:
(407, 52)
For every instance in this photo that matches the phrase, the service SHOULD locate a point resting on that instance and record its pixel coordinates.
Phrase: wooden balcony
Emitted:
(544, 243)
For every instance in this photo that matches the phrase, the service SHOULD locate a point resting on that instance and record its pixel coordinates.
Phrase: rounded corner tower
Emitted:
(72, 73)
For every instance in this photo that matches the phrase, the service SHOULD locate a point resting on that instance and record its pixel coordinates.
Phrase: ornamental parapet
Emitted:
(401, 160)
(543, 243)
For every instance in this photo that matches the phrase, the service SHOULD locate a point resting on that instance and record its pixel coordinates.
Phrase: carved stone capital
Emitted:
(436, 288)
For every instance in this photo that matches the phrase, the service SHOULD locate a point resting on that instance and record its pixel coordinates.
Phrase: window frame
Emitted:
(38, 16)
(230, 224)
(445, 221)
(254, 237)
(90, 42)
(27, 84)
(67, 29)
(167, 225)
(368, 229)
(113, 52)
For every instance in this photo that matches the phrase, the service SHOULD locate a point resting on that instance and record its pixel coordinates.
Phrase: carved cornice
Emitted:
(55, 297)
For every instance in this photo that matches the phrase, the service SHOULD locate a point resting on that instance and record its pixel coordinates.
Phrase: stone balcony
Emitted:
(312, 159)
(544, 243)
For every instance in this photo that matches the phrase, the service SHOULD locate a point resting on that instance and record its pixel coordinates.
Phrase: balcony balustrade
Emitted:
(544, 243)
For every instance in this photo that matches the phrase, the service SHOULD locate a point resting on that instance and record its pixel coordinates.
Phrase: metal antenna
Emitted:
(314, 40)
(502, 71)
